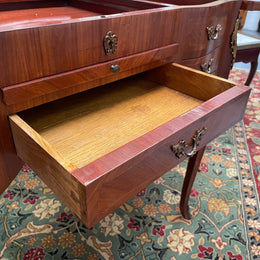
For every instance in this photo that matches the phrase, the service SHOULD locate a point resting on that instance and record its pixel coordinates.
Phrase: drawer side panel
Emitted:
(49, 166)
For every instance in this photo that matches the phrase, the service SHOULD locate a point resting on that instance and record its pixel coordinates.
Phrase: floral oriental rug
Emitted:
(35, 224)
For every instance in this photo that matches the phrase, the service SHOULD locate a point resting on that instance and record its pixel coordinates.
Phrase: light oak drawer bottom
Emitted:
(99, 148)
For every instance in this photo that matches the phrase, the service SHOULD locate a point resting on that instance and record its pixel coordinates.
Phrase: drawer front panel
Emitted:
(218, 19)
(105, 183)
(26, 95)
(139, 171)
(33, 53)
(208, 63)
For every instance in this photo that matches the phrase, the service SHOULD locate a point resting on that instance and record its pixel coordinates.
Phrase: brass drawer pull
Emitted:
(207, 67)
(179, 149)
(110, 43)
(115, 68)
(213, 32)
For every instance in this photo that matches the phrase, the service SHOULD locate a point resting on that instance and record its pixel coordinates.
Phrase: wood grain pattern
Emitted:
(195, 37)
(29, 94)
(36, 52)
(44, 61)
(10, 164)
(250, 5)
(99, 121)
(198, 84)
(114, 177)
(50, 166)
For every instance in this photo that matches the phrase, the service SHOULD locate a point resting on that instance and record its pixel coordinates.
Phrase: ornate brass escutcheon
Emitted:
(110, 43)
(234, 41)
(179, 149)
(213, 32)
(207, 67)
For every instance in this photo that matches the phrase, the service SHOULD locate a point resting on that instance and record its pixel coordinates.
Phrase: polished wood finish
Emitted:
(119, 113)
(33, 51)
(55, 50)
(193, 167)
(32, 93)
(250, 5)
(143, 147)
(246, 56)
(10, 164)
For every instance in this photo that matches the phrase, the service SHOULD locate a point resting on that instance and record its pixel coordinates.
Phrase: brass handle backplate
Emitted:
(207, 67)
(213, 32)
(179, 149)
(110, 43)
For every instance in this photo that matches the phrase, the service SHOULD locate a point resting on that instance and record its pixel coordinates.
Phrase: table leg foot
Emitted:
(193, 166)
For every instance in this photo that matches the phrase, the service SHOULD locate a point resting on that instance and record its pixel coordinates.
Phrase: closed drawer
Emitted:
(212, 25)
(208, 63)
(25, 95)
(41, 38)
(99, 148)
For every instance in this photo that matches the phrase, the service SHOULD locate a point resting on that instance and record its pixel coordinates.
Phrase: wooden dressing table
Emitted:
(97, 97)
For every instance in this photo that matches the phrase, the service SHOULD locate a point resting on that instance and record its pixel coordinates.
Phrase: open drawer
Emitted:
(99, 148)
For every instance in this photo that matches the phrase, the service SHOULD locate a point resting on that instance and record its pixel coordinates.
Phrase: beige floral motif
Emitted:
(79, 250)
(249, 183)
(47, 208)
(255, 235)
(12, 206)
(253, 223)
(144, 238)
(218, 205)
(104, 248)
(242, 158)
(180, 170)
(251, 202)
(248, 191)
(205, 159)
(219, 243)
(255, 250)
(242, 151)
(67, 239)
(181, 241)
(231, 172)
(23, 177)
(217, 183)
(31, 241)
(241, 145)
(217, 158)
(244, 166)
(111, 225)
(30, 230)
(48, 241)
(92, 257)
(150, 210)
(165, 208)
(31, 184)
(240, 139)
(159, 181)
(171, 198)
(229, 164)
(138, 202)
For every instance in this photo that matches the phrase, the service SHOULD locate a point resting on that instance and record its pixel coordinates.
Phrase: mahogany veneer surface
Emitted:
(99, 148)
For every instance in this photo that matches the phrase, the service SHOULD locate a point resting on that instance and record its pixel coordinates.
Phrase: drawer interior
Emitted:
(24, 14)
(101, 120)
(89, 125)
